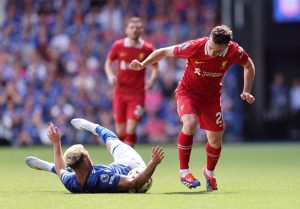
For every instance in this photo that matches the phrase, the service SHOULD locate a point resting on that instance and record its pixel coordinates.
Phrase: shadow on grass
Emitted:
(165, 193)
(31, 192)
(198, 193)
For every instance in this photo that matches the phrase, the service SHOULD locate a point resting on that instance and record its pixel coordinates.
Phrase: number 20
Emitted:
(219, 118)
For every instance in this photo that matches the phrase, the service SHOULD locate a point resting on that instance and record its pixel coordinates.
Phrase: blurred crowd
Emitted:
(284, 107)
(52, 57)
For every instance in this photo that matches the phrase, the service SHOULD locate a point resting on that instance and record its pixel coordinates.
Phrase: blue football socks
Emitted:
(105, 134)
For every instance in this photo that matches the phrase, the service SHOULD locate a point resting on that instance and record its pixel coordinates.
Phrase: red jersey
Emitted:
(130, 82)
(203, 74)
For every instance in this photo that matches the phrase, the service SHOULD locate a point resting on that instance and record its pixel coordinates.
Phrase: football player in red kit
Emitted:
(130, 86)
(198, 94)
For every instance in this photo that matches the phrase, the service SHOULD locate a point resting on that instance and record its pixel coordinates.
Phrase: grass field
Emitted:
(250, 176)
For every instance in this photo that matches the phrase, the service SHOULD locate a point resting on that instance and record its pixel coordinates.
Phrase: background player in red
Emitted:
(130, 86)
(198, 94)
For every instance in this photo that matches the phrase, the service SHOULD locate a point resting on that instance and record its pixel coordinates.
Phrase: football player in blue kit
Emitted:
(77, 173)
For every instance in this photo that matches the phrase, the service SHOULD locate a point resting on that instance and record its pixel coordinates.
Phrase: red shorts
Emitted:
(128, 108)
(209, 115)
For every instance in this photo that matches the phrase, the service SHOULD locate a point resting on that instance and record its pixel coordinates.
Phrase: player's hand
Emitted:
(157, 155)
(247, 97)
(53, 133)
(136, 65)
(112, 80)
(149, 84)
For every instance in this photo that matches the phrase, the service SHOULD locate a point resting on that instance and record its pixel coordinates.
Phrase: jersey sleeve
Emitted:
(240, 56)
(113, 53)
(186, 49)
(69, 181)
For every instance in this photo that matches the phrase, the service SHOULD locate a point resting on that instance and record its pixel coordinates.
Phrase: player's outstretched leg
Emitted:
(211, 182)
(96, 129)
(121, 152)
(38, 164)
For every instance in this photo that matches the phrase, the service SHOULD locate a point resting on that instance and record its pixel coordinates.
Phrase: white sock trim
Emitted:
(209, 173)
(184, 172)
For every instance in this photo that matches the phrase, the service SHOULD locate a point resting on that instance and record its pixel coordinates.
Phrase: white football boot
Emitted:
(38, 164)
(82, 124)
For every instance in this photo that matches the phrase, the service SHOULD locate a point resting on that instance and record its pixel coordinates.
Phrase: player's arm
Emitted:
(59, 162)
(127, 183)
(108, 67)
(249, 72)
(154, 57)
(154, 75)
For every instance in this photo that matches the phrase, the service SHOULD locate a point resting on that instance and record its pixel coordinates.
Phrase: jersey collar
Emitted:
(139, 45)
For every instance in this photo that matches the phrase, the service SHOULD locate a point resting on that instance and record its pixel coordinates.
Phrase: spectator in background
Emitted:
(295, 108)
(278, 98)
(295, 96)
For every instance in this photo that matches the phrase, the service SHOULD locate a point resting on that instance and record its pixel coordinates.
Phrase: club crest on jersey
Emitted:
(181, 107)
(141, 56)
(123, 54)
(104, 177)
(183, 46)
(224, 64)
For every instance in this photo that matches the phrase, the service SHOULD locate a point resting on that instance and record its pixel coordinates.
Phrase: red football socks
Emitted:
(130, 139)
(213, 155)
(122, 138)
(185, 143)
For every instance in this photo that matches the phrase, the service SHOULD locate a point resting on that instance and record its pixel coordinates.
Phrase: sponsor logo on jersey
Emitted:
(104, 177)
(207, 74)
(111, 180)
(197, 71)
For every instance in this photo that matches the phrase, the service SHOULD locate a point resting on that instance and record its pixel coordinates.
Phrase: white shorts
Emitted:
(126, 155)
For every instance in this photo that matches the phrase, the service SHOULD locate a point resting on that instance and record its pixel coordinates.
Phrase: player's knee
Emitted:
(189, 126)
(215, 142)
(130, 130)
(215, 139)
(131, 126)
(121, 132)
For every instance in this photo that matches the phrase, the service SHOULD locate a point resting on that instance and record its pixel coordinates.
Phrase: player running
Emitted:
(198, 94)
(88, 178)
(130, 86)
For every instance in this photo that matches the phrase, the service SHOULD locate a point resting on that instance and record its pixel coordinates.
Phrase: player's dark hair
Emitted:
(221, 34)
(133, 19)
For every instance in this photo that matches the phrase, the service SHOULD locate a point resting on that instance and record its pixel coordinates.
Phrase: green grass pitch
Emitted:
(250, 176)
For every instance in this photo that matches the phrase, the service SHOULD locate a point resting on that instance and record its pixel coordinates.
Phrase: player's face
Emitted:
(214, 49)
(134, 30)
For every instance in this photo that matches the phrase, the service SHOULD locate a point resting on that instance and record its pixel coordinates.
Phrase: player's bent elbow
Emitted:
(126, 183)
